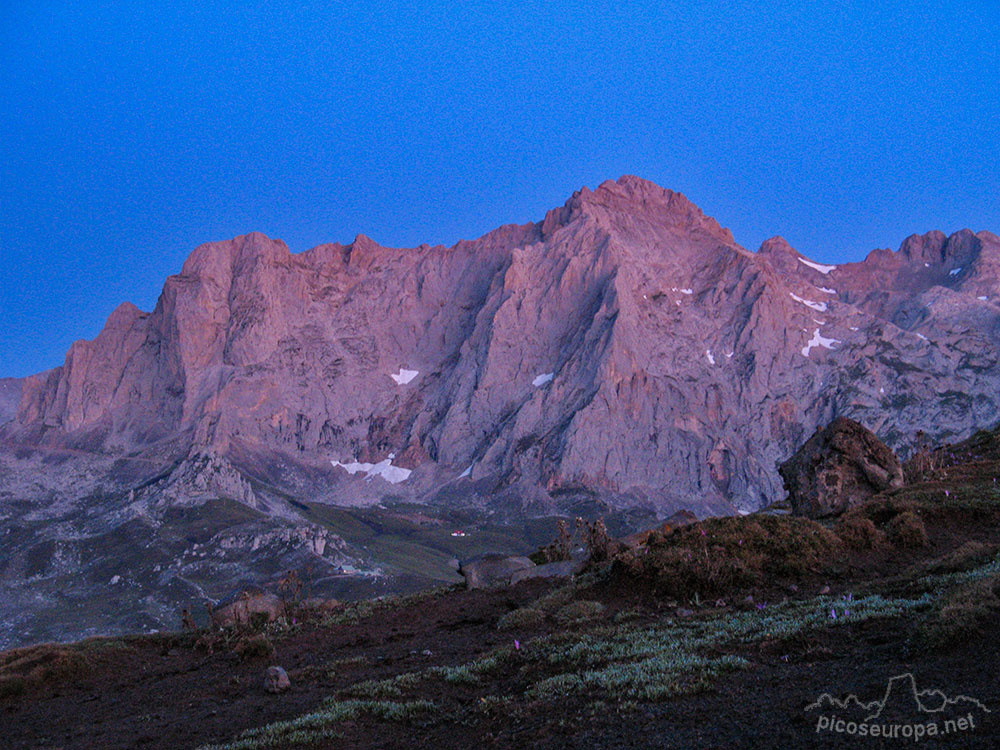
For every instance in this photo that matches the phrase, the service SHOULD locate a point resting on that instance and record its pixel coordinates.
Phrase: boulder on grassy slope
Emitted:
(683, 517)
(245, 606)
(558, 569)
(842, 465)
(493, 570)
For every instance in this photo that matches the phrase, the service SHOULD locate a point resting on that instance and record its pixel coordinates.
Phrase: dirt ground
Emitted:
(160, 692)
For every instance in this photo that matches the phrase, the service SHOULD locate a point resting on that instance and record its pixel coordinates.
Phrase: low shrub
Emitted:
(907, 530)
(967, 556)
(254, 647)
(719, 555)
(554, 600)
(526, 617)
(963, 614)
(859, 533)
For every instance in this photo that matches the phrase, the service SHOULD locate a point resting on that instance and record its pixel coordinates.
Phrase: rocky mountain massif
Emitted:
(623, 352)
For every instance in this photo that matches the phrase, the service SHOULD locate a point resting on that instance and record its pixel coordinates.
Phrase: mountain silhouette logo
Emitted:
(902, 699)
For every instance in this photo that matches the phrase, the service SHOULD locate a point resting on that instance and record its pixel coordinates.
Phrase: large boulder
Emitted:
(493, 570)
(244, 606)
(276, 680)
(558, 569)
(842, 465)
(683, 517)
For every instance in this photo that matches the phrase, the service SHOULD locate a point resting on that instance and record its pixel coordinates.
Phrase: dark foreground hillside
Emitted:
(719, 634)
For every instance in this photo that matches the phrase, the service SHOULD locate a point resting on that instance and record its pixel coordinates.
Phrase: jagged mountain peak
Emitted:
(936, 248)
(636, 199)
(221, 259)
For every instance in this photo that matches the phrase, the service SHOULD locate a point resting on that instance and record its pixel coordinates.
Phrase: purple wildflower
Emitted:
(517, 645)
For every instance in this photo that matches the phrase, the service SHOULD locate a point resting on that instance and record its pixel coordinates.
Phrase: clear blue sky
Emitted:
(132, 132)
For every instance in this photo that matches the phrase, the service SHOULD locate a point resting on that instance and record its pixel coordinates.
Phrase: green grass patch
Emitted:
(321, 725)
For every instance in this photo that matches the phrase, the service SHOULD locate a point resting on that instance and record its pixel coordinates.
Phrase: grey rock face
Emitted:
(10, 397)
(625, 346)
(841, 465)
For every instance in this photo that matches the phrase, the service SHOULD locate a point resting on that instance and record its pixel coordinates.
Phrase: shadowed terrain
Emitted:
(719, 633)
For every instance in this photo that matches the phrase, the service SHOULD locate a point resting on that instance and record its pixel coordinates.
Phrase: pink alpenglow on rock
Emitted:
(274, 362)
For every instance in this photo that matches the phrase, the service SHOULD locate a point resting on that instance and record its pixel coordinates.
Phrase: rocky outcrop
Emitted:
(682, 517)
(624, 347)
(493, 570)
(276, 680)
(558, 569)
(245, 606)
(841, 465)
(10, 397)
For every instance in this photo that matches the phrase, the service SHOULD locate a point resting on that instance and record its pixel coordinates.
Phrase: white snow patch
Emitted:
(817, 321)
(854, 328)
(729, 356)
(881, 390)
(817, 306)
(385, 469)
(955, 271)
(818, 340)
(827, 291)
(921, 336)
(467, 472)
(818, 266)
(687, 291)
(709, 357)
(983, 298)
(542, 379)
(927, 265)
(114, 580)
(404, 376)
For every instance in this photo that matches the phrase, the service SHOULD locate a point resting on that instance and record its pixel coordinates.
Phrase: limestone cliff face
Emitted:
(625, 345)
(10, 398)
